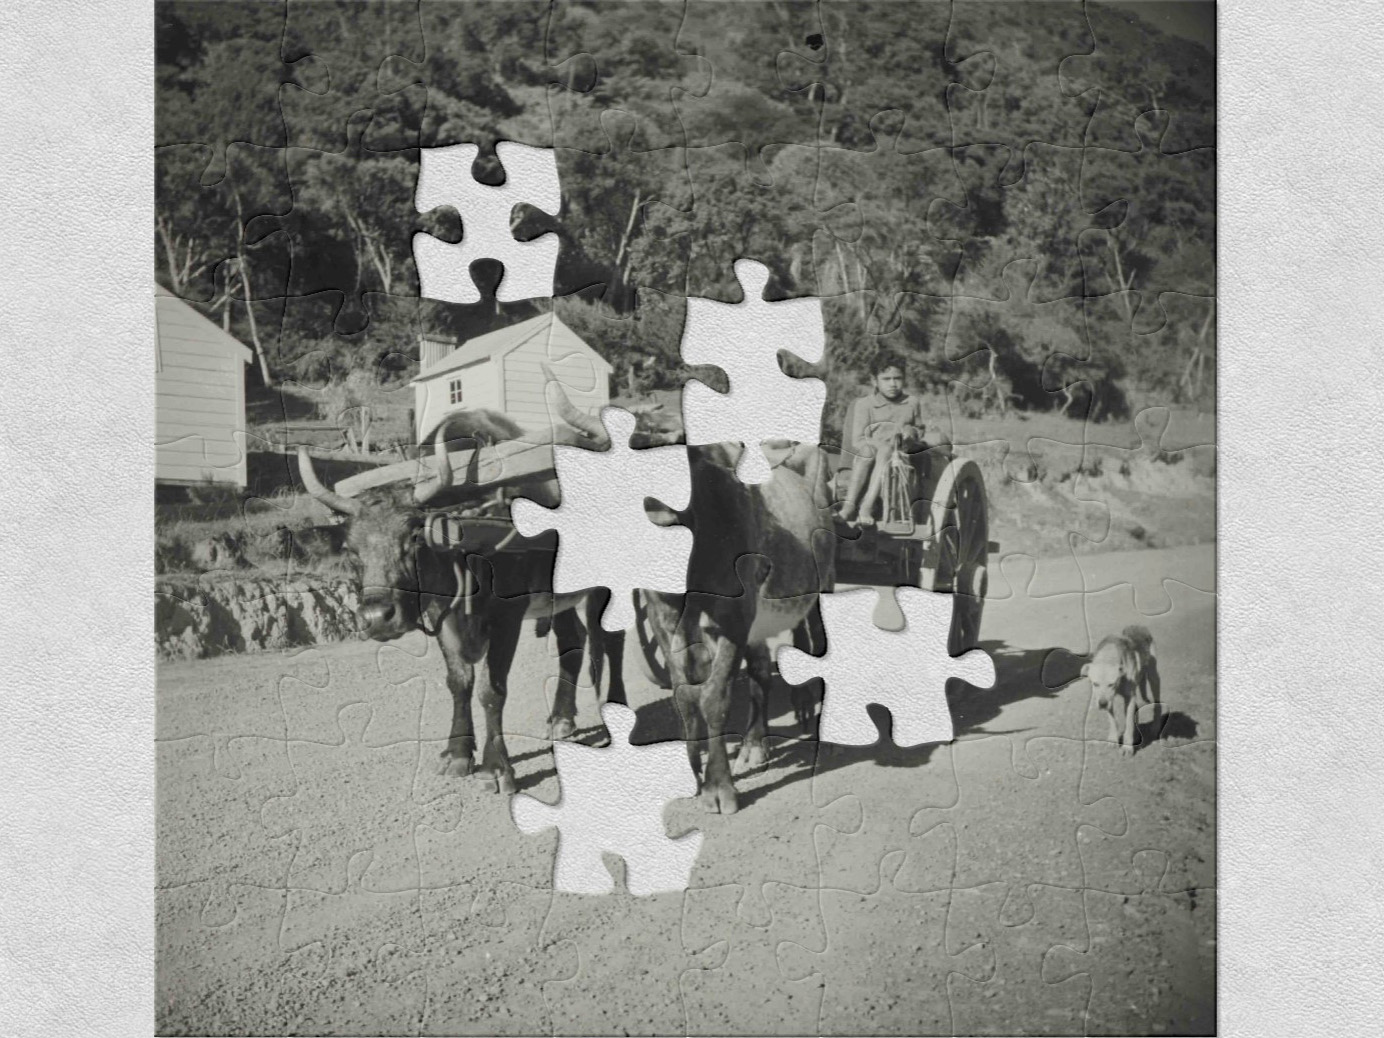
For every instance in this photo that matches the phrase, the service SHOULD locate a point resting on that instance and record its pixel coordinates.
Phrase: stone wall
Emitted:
(209, 618)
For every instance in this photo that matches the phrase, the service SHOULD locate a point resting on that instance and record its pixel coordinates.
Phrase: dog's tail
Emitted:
(1139, 637)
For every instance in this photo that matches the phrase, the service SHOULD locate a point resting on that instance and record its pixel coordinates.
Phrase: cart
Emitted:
(932, 533)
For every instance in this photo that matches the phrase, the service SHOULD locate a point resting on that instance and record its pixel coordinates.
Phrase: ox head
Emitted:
(400, 576)
(403, 579)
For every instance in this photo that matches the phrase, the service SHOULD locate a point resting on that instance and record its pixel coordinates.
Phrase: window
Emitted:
(454, 391)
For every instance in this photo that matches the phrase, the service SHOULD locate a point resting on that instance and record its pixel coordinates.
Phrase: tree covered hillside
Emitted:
(1019, 195)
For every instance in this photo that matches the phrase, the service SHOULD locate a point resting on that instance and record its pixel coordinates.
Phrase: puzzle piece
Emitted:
(1155, 249)
(344, 65)
(1041, 787)
(220, 74)
(324, 772)
(648, 342)
(761, 404)
(862, 325)
(893, 241)
(1139, 335)
(608, 939)
(337, 374)
(886, 659)
(450, 324)
(602, 56)
(354, 224)
(208, 964)
(745, 101)
(757, 945)
(1014, 97)
(486, 959)
(204, 250)
(445, 177)
(1162, 847)
(907, 992)
(595, 504)
(373, 969)
(849, 856)
(1173, 69)
(1185, 573)
(846, 73)
(1174, 987)
(484, 847)
(792, 238)
(632, 826)
(998, 193)
(1042, 209)
(1020, 928)
(223, 846)
(483, 62)
(604, 234)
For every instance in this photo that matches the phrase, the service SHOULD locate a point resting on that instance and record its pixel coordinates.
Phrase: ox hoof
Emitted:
(506, 783)
(1127, 750)
(719, 800)
(750, 757)
(561, 728)
(453, 765)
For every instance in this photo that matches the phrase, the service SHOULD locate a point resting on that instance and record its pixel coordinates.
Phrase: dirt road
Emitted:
(318, 876)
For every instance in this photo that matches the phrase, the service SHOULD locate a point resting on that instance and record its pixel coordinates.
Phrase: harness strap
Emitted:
(462, 594)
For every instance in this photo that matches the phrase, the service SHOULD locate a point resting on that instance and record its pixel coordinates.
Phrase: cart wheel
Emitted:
(963, 567)
(651, 660)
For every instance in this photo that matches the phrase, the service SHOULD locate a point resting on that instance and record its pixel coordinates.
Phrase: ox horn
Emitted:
(588, 425)
(441, 479)
(336, 502)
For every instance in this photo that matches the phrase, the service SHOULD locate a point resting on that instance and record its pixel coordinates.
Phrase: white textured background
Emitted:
(1301, 335)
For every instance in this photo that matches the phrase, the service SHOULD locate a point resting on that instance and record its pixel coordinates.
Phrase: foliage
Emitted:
(485, 75)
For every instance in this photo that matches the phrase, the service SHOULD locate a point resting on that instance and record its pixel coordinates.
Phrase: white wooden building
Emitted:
(199, 386)
(501, 371)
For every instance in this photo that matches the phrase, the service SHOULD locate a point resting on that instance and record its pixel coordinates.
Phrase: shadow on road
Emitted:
(1019, 674)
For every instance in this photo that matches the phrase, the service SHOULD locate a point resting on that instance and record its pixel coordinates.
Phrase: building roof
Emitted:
(170, 311)
(505, 340)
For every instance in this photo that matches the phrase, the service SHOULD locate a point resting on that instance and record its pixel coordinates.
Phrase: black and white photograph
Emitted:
(685, 517)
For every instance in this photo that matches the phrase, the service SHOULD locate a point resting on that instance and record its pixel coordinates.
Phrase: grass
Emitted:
(1048, 477)
(278, 537)
(1043, 482)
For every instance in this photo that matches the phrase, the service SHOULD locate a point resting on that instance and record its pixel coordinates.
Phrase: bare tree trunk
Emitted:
(622, 253)
(244, 264)
(178, 257)
(1120, 278)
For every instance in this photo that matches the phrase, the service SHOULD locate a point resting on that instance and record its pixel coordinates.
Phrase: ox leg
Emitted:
(718, 789)
(810, 636)
(504, 639)
(670, 623)
(562, 721)
(458, 757)
(603, 645)
(612, 645)
(752, 754)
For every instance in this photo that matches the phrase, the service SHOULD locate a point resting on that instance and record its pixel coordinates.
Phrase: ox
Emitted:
(760, 556)
(476, 607)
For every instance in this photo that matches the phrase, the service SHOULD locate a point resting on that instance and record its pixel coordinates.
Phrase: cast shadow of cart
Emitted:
(1019, 674)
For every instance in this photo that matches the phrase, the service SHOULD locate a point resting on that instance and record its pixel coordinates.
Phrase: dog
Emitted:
(1124, 676)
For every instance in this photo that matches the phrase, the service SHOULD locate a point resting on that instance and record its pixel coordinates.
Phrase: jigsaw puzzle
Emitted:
(685, 517)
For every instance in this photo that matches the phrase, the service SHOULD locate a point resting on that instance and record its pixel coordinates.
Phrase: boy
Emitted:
(884, 420)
